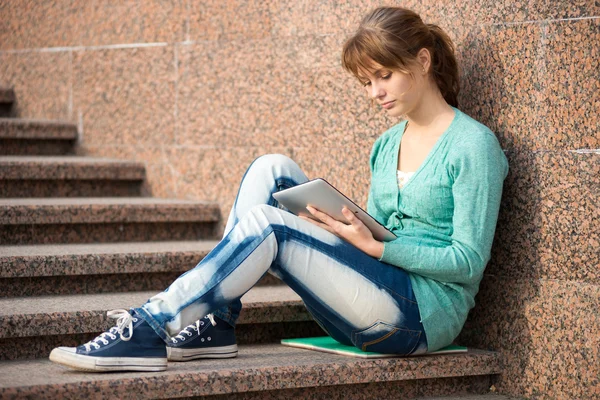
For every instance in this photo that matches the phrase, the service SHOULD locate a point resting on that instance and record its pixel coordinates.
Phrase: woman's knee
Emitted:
(264, 215)
(274, 162)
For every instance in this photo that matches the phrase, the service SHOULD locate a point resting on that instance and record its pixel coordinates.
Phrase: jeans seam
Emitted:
(214, 287)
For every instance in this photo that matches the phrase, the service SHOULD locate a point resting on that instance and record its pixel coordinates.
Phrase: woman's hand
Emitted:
(356, 233)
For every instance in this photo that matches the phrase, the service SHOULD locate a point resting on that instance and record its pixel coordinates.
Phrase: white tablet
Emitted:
(324, 197)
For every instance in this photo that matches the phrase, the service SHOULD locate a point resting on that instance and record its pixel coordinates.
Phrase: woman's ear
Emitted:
(424, 59)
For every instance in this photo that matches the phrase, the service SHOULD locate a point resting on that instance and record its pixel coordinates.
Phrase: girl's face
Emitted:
(398, 93)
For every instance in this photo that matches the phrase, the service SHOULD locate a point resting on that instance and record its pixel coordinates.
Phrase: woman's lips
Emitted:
(388, 105)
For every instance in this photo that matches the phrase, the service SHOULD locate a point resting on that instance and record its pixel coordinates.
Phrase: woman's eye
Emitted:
(386, 76)
(365, 84)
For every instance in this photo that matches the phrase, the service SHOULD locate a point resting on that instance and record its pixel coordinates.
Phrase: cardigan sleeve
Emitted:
(479, 168)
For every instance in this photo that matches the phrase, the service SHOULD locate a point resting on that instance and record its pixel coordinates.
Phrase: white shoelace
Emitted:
(195, 326)
(124, 320)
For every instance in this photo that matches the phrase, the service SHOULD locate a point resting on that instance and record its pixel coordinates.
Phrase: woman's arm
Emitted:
(479, 173)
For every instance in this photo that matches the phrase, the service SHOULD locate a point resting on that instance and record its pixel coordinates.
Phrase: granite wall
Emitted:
(197, 90)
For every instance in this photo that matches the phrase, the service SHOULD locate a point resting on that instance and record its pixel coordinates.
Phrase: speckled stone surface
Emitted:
(258, 367)
(69, 168)
(44, 261)
(549, 220)
(212, 20)
(27, 128)
(209, 68)
(99, 268)
(486, 396)
(543, 99)
(508, 94)
(213, 174)
(491, 12)
(147, 21)
(35, 347)
(318, 17)
(545, 330)
(405, 390)
(91, 259)
(69, 177)
(292, 115)
(573, 80)
(83, 284)
(80, 22)
(105, 210)
(75, 314)
(7, 95)
(108, 232)
(125, 96)
(70, 188)
(161, 180)
(35, 25)
(347, 171)
(41, 81)
(49, 147)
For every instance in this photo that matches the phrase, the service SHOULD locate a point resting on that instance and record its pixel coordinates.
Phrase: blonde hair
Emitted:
(392, 37)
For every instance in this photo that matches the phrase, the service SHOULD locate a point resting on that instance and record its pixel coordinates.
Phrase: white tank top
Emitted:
(403, 177)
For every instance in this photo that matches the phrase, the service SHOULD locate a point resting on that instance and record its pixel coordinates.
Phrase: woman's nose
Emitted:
(376, 91)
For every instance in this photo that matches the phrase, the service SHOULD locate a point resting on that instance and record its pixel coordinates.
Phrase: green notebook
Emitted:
(329, 345)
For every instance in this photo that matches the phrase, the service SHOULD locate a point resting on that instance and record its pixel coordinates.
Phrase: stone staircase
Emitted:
(79, 236)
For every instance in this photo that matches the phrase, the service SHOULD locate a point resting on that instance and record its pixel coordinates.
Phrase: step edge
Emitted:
(96, 321)
(97, 213)
(7, 262)
(275, 377)
(43, 171)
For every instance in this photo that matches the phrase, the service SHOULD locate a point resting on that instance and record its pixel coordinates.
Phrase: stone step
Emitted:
(31, 326)
(262, 371)
(7, 95)
(7, 98)
(69, 176)
(37, 270)
(90, 220)
(36, 137)
(487, 396)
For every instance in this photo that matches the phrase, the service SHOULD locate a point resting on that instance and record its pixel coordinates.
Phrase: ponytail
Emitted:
(444, 65)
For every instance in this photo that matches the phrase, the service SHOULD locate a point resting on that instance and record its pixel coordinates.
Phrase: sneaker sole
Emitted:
(175, 354)
(98, 364)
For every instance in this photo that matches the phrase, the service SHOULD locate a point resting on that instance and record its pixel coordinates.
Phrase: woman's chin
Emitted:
(395, 112)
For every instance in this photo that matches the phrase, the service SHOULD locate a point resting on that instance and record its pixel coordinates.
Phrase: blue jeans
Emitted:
(355, 298)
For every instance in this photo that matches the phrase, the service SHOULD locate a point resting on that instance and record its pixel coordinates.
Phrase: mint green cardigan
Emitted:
(444, 216)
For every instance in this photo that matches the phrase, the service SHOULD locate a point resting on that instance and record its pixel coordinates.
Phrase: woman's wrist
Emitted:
(376, 249)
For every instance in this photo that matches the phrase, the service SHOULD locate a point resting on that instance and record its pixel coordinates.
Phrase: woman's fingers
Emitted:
(351, 217)
(323, 217)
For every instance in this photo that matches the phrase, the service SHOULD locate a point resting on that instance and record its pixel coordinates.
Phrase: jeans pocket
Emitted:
(382, 337)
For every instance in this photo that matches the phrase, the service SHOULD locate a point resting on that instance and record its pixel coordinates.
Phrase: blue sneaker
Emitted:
(132, 345)
(209, 337)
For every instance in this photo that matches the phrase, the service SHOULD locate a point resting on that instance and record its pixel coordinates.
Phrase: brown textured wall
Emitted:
(197, 90)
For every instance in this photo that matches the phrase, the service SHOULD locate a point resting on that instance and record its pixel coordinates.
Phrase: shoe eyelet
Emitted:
(135, 320)
(202, 340)
(201, 323)
(189, 333)
(183, 339)
(208, 338)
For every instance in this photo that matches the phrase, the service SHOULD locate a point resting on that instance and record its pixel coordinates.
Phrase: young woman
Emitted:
(436, 183)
